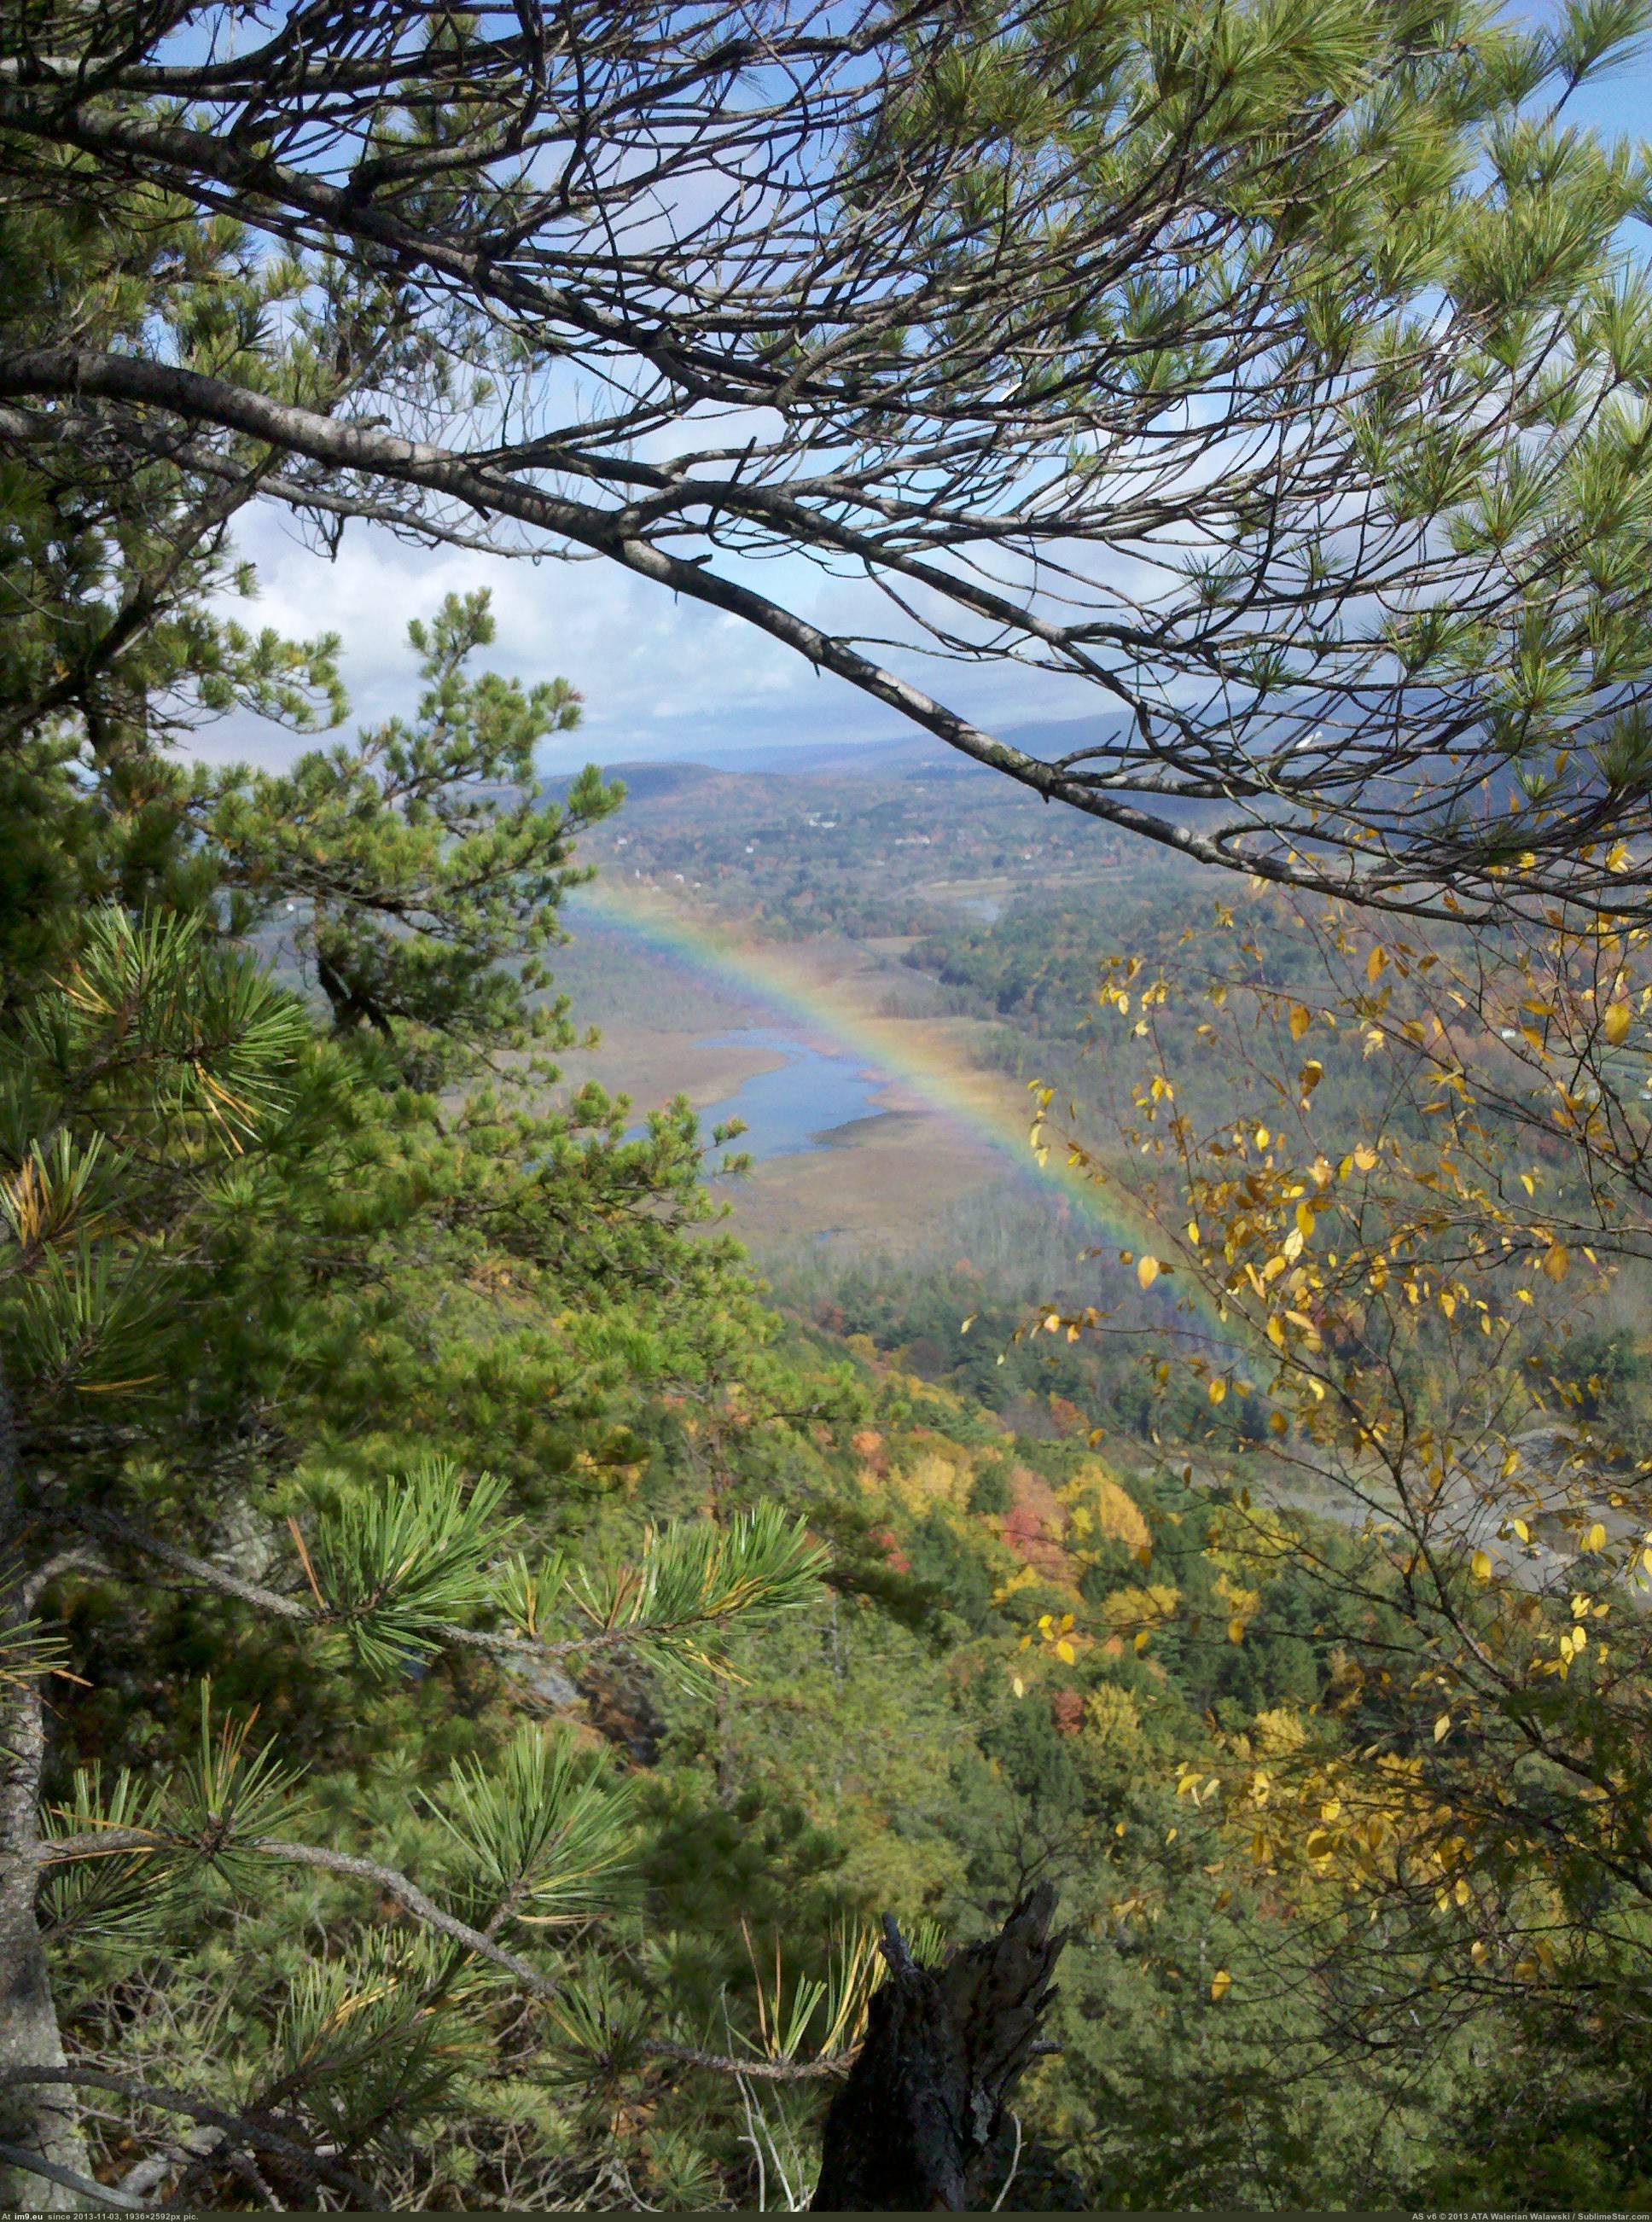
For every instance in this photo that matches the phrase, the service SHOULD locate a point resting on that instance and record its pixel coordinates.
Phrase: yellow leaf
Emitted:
(1141, 1639)
(1375, 963)
(1147, 1272)
(1441, 1727)
(1305, 1220)
(1220, 1983)
(1235, 1630)
(1596, 1538)
(1276, 1423)
(1616, 1023)
(1217, 1389)
(1477, 1950)
(1618, 857)
(1263, 1138)
(1528, 1183)
(1462, 1891)
(1309, 1077)
(1065, 1651)
(1365, 1157)
(1555, 1261)
(1301, 1020)
(1521, 1531)
(1482, 1565)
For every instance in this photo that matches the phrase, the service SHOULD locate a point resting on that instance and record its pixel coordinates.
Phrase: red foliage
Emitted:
(866, 1443)
(1067, 1711)
(892, 1551)
(1034, 1524)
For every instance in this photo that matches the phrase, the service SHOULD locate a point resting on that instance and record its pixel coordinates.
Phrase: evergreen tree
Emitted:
(275, 1273)
(1275, 373)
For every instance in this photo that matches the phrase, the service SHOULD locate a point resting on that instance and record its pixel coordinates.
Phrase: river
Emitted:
(804, 1104)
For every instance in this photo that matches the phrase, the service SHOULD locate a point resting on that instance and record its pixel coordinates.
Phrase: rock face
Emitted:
(910, 2129)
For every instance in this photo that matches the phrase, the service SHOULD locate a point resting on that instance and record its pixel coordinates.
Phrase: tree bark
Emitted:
(34, 2118)
(911, 2128)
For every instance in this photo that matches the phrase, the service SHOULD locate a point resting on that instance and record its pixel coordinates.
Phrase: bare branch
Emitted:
(1099, 385)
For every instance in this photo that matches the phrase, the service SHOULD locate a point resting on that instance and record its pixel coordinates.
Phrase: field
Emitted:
(947, 1129)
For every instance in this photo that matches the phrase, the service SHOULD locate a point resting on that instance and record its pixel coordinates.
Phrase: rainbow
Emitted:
(967, 1097)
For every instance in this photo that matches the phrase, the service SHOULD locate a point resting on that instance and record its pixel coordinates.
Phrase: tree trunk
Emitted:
(38, 2119)
(911, 2128)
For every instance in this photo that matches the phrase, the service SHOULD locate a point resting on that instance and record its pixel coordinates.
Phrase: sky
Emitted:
(659, 679)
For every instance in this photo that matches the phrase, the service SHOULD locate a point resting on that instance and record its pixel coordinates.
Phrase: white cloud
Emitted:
(660, 677)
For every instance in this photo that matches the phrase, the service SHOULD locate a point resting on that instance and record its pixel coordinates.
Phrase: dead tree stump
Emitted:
(925, 2100)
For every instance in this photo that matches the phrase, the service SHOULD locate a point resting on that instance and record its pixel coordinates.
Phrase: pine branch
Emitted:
(61, 1562)
(203, 1571)
(499, 1642)
(102, 1843)
(765, 2071)
(97, 2195)
(687, 1584)
(504, 1645)
(167, 2100)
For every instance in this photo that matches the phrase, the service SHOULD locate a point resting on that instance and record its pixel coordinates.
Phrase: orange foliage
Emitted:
(1035, 1525)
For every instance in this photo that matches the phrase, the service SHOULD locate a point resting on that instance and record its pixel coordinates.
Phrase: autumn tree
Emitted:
(1390, 1230)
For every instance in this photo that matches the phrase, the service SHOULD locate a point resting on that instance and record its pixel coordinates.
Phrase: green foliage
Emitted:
(395, 1564)
(268, 1311)
(116, 1899)
(422, 857)
(690, 1582)
(370, 2039)
(371, 1385)
(539, 1838)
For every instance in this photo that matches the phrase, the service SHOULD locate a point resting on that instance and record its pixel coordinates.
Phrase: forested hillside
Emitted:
(391, 1358)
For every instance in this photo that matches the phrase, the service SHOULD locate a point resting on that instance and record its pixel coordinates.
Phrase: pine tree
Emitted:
(1275, 375)
(254, 1330)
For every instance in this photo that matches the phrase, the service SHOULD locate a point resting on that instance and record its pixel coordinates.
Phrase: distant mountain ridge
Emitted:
(904, 756)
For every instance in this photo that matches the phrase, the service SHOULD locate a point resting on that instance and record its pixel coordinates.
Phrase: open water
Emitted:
(801, 1104)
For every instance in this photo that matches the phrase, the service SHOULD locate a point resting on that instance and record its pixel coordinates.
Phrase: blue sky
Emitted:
(659, 679)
